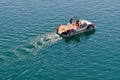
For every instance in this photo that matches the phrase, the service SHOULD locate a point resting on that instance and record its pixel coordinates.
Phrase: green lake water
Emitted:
(30, 49)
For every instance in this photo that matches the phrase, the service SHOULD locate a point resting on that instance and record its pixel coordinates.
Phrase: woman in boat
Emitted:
(77, 24)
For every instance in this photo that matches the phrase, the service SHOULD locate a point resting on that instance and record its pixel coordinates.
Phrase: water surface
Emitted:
(30, 49)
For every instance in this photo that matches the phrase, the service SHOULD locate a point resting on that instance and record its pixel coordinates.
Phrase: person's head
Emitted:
(77, 21)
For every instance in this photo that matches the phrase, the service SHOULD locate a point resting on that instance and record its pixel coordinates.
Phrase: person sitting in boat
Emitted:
(71, 21)
(77, 24)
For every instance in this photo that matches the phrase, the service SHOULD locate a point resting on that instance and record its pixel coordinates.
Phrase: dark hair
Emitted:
(77, 21)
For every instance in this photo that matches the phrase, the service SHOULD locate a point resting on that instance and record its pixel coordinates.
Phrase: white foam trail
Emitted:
(44, 40)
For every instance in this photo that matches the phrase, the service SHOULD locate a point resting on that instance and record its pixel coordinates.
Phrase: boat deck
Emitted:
(63, 28)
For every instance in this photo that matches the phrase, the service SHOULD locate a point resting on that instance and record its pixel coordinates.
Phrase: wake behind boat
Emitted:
(74, 28)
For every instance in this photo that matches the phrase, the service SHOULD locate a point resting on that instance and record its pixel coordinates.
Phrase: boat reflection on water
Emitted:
(79, 37)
